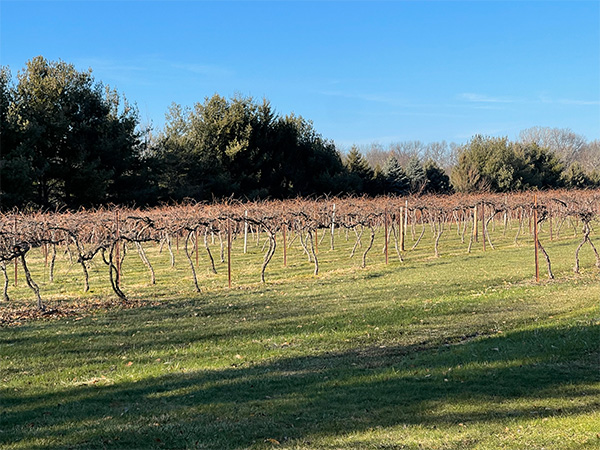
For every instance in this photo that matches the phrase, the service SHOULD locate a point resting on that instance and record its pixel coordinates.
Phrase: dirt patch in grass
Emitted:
(15, 314)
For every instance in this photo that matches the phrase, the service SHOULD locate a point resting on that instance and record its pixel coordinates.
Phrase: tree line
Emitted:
(68, 141)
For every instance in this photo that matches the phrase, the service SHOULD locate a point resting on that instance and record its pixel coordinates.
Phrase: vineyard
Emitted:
(423, 327)
(385, 227)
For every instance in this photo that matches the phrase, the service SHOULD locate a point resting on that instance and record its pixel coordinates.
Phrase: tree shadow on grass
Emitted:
(520, 374)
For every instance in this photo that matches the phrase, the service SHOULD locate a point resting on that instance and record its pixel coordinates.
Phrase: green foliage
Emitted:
(67, 141)
(466, 176)
(237, 147)
(360, 173)
(416, 175)
(396, 181)
(594, 178)
(575, 177)
(438, 182)
(71, 143)
(494, 161)
(16, 177)
(497, 165)
(540, 167)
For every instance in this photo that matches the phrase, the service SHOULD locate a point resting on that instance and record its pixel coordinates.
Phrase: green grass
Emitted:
(457, 352)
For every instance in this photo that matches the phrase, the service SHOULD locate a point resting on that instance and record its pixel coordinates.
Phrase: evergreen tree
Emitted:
(396, 181)
(237, 147)
(576, 178)
(76, 142)
(487, 163)
(438, 182)
(416, 175)
(16, 175)
(540, 167)
(360, 173)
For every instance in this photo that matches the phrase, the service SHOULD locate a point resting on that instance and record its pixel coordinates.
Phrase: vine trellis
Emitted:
(106, 232)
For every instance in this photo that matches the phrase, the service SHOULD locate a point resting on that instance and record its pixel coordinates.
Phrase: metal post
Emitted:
(229, 252)
(117, 249)
(16, 262)
(535, 236)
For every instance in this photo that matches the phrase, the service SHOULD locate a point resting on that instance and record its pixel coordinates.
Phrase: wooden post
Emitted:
(229, 252)
(245, 232)
(385, 226)
(332, 226)
(475, 224)
(550, 223)
(505, 216)
(401, 228)
(284, 246)
(196, 248)
(405, 227)
(535, 237)
(483, 227)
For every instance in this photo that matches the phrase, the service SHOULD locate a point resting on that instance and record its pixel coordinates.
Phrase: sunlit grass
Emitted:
(457, 352)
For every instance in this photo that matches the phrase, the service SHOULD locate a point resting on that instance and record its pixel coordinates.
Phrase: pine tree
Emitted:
(396, 181)
(416, 175)
(361, 175)
(438, 181)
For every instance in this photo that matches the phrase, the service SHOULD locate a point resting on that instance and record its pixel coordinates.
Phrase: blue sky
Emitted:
(363, 72)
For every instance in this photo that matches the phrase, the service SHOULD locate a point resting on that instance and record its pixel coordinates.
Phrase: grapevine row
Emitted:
(106, 233)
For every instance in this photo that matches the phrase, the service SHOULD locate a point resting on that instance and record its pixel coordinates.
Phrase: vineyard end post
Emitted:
(229, 251)
(117, 249)
(535, 237)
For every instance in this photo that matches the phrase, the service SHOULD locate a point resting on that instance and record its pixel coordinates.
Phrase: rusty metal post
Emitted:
(229, 251)
(535, 236)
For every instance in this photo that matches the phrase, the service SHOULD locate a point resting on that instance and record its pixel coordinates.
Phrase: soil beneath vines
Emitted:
(15, 314)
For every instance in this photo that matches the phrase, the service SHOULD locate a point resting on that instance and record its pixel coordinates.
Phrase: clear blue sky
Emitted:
(361, 71)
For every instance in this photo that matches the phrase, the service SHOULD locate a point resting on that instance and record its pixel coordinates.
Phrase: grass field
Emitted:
(457, 352)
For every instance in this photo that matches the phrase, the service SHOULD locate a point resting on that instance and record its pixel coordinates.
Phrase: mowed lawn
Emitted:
(463, 351)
